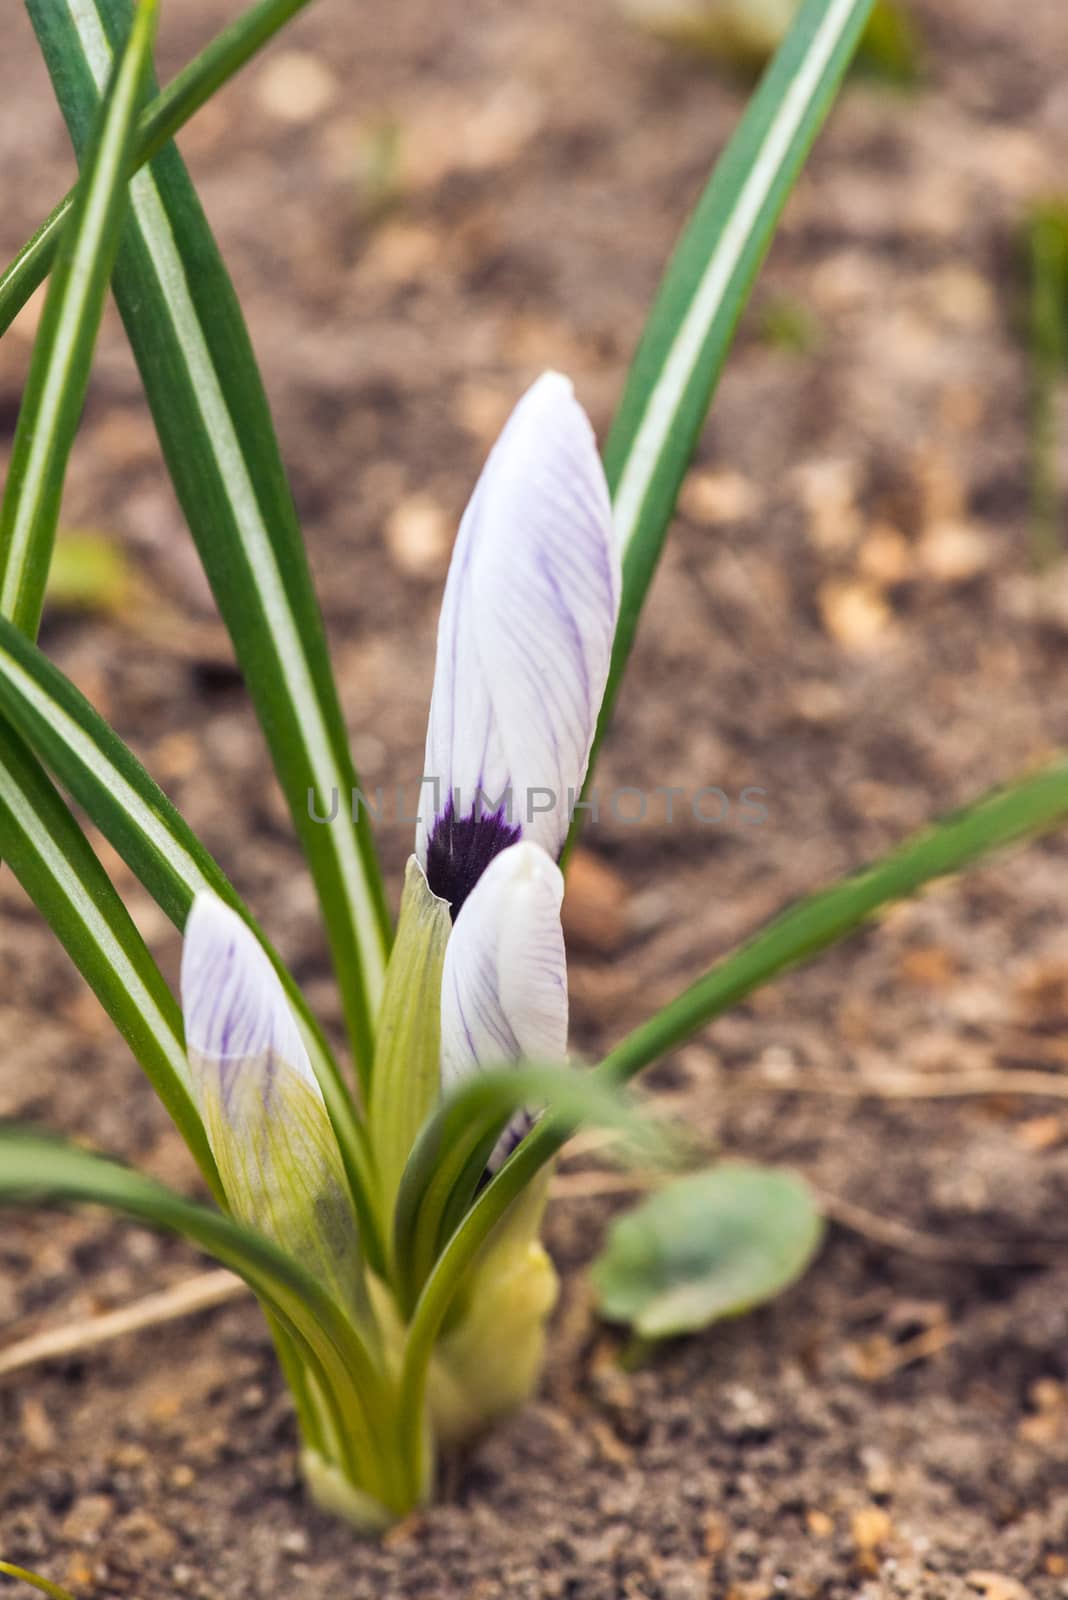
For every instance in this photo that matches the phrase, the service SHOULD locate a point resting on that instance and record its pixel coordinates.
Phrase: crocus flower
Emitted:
(262, 1108)
(524, 644)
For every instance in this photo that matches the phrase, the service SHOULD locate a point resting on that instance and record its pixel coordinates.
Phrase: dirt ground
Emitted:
(420, 213)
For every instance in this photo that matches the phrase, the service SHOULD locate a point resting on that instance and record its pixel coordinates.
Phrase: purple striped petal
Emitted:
(232, 1002)
(524, 644)
(504, 984)
(261, 1104)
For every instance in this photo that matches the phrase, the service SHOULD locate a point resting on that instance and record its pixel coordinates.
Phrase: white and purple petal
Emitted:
(504, 984)
(524, 643)
(261, 1105)
(233, 1005)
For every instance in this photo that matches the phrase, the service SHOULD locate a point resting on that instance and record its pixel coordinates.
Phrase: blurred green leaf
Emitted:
(710, 1245)
(744, 33)
(160, 121)
(378, 167)
(891, 47)
(1047, 250)
(789, 325)
(63, 350)
(200, 375)
(89, 572)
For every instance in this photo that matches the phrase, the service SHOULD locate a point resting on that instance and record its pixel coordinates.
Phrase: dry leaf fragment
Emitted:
(1046, 1423)
(828, 491)
(997, 1586)
(885, 556)
(929, 966)
(295, 86)
(417, 536)
(1038, 1134)
(871, 1528)
(954, 552)
(854, 614)
(717, 497)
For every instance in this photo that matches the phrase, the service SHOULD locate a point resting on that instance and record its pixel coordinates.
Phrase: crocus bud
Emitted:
(504, 983)
(524, 644)
(262, 1107)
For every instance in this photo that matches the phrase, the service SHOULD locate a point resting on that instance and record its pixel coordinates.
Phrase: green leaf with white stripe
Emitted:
(63, 350)
(702, 294)
(200, 376)
(151, 836)
(184, 95)
(55, 864)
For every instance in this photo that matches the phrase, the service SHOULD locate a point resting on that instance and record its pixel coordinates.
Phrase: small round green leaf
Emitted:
(707, 1246)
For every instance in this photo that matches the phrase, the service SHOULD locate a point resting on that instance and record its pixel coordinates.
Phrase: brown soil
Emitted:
(846, 617)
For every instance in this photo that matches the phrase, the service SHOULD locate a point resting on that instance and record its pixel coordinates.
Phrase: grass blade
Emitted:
(63, 351)
(35, 1581)
(151, 836)
(35, 1170)
(216, 64)
(702, 294)
(54, 862)
(1047, 244)
(201, 379)
(1000, 818)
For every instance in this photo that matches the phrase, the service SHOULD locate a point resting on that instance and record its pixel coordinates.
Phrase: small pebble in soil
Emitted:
(87, 1519)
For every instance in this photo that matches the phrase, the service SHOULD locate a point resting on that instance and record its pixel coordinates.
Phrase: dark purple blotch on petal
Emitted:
(461, 848)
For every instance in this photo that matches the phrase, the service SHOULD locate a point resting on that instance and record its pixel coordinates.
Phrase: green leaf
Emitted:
(201, 379)
(456, 1141)
(1029, 806)
(63, 350)
(52, 859)
(160, 121)
(690, 328)
(37, 1170)
(490, 1353)
(1047, 245)
(892, 48)
(35, 1581)
(710, 1245)
(432, 1255)
(88, 573)
(406, 1080)
(151, 836)
(744, 33)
